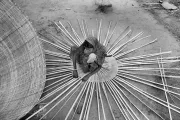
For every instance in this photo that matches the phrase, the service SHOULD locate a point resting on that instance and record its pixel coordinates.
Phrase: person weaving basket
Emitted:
(90, 56)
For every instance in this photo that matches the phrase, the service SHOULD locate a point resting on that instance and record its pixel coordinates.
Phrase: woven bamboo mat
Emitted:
(22, 68)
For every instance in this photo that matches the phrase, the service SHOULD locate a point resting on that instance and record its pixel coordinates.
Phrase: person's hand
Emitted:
(75, 74)
(85, 78)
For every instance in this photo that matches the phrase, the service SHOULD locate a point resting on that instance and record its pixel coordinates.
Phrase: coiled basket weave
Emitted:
(22, 68)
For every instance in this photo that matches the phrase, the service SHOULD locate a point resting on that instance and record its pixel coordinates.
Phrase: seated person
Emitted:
(90, 56)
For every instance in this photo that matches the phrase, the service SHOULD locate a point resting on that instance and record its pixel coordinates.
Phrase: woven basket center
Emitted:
(108, 71)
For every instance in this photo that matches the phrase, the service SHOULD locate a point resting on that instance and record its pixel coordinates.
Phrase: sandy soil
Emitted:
(159, 23)
(169, 19)
(127, 12)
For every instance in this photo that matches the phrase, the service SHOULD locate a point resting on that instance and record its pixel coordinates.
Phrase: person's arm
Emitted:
(75, 73)
(108, 55)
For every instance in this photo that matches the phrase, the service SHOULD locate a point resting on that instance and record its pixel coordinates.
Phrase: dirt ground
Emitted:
(169, 19)
(158, 22)
(153, 21)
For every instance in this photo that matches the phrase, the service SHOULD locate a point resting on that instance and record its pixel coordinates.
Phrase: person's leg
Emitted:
(73, 51)
(73, 55)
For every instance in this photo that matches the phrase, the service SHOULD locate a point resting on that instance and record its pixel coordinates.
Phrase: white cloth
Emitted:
(91, 58)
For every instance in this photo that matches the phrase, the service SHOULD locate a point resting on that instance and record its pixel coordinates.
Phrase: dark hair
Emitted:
(86, 44)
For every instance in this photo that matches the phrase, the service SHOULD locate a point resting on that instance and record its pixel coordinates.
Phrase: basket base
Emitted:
(108, 71)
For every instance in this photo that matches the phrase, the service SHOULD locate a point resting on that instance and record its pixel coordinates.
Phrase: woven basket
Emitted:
(22, 68)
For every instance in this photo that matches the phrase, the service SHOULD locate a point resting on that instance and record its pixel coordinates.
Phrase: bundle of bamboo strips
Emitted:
(129, 90)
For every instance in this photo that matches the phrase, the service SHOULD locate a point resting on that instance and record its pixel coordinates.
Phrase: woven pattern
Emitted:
(22, 70)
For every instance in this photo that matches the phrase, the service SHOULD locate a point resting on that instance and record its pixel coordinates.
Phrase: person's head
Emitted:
(89, 44)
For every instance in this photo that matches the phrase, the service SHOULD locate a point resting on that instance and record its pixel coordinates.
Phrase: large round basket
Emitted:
(22, 68)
